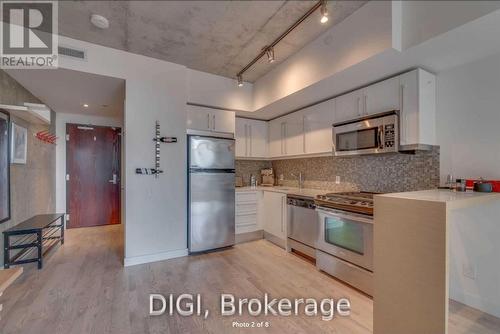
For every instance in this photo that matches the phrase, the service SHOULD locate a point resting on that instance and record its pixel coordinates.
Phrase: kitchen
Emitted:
(306, 181)
(330, 156)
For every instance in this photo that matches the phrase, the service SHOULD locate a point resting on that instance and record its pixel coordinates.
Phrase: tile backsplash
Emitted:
(245, 168)
(378, 173)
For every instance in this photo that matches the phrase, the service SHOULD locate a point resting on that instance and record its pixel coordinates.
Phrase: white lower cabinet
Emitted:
(275, 215)
(247, 212)
(262, 210)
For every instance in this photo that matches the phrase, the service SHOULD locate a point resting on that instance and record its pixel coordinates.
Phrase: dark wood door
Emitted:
(93, 180)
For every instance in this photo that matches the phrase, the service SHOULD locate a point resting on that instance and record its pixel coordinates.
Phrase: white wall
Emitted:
(154, 214)
(423, 20)
(468, 119)
(365, 33)
(61, 120)
(474, 247)
(216, 91)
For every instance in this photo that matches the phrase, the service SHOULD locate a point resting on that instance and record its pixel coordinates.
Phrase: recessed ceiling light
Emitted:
(85, 105)
(99, 21)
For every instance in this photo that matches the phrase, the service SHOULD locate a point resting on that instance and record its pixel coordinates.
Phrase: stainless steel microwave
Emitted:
(369, 135)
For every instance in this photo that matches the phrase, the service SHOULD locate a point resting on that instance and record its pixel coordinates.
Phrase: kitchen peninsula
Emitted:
(431, 247)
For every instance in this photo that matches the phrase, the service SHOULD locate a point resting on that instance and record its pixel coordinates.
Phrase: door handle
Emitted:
(114, 180)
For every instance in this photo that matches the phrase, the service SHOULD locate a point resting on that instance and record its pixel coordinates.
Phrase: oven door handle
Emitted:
(345, 216)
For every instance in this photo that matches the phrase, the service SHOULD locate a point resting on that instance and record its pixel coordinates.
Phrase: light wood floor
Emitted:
(84, 288)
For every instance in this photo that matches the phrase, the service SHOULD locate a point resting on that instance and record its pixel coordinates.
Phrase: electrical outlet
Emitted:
(337, 179)
(468, 271)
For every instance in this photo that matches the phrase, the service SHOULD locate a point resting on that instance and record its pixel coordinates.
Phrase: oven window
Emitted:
(345, 234)
(357, 140)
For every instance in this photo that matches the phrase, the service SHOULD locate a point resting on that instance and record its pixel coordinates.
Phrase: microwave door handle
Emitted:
(380, 136)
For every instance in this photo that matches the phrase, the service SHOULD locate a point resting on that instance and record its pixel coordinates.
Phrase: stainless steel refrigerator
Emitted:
(211, 202)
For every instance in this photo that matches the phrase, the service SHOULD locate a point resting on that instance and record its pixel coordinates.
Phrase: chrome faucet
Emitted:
(300, 178)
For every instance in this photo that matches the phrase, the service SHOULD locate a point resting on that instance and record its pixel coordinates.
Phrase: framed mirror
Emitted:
(4, 166)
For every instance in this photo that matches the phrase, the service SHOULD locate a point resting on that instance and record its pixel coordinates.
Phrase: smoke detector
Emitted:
(99, 21)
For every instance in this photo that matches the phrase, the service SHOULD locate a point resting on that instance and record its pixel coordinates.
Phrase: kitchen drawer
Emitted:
(246, 196)
(246, 208)
(246, 220)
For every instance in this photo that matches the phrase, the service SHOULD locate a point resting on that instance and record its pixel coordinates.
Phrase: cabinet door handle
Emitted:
(358, 101)
(282, 213)
(304, 134)
(403, 123)
(213, 125)
(250, 135)
(282, 138)
(286, 136)
(366, 108)
(208, 121)
(246, 143)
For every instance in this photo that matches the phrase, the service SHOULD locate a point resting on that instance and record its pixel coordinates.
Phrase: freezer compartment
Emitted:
(211, 153)
(212, 210)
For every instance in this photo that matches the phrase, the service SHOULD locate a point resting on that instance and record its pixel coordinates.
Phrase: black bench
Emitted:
(35, 235)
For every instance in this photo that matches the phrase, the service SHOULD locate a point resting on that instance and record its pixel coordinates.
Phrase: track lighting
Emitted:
(270, 54)
(269, 50)
(324, 12)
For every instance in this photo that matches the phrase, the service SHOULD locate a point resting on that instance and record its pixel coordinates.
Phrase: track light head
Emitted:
(240, 80)
(324, 13)
(270, 54)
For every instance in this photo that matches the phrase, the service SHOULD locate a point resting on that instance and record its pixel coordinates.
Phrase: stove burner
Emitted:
(360, 202)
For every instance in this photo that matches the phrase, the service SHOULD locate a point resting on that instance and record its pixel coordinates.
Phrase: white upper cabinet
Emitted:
(258, 138)
(251, 138)
(275, 138)
(223, 121)
(210, 119)
(349, 106)
(240, 134)
(318, 121)
(418, 108)
(382, 96)
(293, 134)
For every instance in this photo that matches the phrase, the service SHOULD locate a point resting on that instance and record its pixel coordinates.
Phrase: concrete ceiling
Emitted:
(66, 91)
(218, 37)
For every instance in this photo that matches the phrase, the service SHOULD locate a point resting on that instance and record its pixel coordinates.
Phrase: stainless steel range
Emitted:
(345, 238)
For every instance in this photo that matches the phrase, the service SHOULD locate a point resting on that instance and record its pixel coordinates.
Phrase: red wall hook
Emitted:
(46, 137)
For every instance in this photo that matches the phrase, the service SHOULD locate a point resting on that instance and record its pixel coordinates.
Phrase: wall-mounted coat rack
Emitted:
(158, 139)
(46, 137)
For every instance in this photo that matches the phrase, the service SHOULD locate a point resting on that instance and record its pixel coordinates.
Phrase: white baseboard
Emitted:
(481, 303)
(135, 260)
